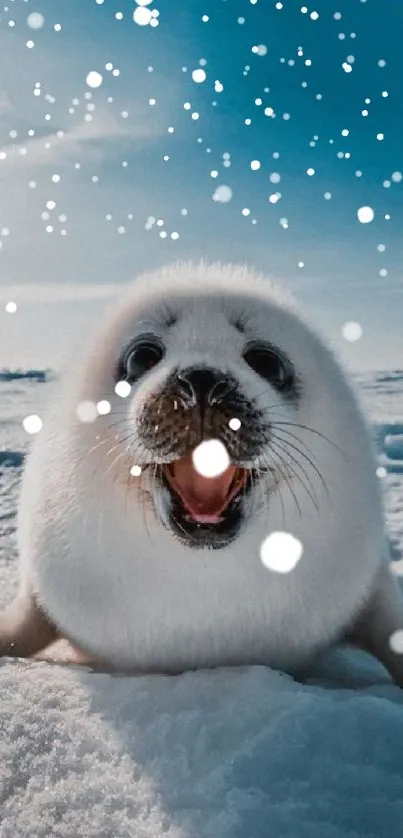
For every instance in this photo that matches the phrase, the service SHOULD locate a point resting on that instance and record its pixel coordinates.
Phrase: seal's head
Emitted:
(204, 359)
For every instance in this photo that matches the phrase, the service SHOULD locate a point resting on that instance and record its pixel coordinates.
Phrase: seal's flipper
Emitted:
(379, 627)
(24, 628)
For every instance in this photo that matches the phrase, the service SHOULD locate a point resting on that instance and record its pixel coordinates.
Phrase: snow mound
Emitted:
(231, 753)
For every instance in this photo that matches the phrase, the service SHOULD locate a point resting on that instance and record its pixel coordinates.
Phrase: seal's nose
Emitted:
(201, 385)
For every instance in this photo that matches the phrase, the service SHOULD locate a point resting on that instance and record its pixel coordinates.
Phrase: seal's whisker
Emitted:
(293, 466)
(303, 454)
(261, 486)
(278, 486)
(285, 475)
(287, 445)
(145, 507)
(113, 463)
(243, 493)
(296, 437)
(312, 431)
(101, 442)
(278, 489)
(286, 453)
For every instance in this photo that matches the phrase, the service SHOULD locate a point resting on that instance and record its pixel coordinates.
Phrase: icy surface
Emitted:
(241, 753)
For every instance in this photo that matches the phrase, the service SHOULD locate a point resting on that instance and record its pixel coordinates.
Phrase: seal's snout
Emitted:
(198, 403)
(203, 385)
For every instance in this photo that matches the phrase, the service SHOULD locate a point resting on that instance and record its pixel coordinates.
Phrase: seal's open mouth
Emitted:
(207, 511)
(205, 500)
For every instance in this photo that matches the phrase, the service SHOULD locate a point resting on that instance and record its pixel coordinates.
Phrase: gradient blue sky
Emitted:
(98, 155)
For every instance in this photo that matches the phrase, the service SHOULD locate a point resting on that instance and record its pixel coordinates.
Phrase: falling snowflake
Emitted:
(103, 407)
(260, 49)
(86, 411)
(123, 389)
(94, 79)
(365, 215)
(35, 20)
(396, 642)
(10, 308)
(281, 552)
(223, 194)
(136, 471)
(210, 458)
(352, 331)
(199, 75)
(142, 16)
(32, 424)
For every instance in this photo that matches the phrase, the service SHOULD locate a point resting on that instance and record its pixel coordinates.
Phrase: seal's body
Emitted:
(138, 559)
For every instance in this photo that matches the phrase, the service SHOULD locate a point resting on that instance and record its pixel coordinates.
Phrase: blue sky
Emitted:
(83, 169)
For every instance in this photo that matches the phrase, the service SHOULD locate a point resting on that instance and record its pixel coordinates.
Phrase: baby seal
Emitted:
(143, 562)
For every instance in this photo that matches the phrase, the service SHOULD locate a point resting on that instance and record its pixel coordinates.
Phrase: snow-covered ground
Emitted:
(242, 753)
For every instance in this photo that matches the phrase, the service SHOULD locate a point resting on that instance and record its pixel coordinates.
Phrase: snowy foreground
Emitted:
(243, 753)
(240, 753)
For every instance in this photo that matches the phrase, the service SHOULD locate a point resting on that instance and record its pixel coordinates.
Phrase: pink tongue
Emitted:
(205, 498)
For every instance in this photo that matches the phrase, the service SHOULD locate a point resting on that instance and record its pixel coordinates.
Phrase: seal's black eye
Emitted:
(267, 363)
(140, 357)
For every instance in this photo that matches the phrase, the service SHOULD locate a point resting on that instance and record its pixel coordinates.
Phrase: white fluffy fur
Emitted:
(120, 585)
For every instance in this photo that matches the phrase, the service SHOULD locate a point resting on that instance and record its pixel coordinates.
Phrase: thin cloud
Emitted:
(62, 145)
(57, 293)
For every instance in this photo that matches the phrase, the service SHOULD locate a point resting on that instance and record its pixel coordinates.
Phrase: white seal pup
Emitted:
(142, 562)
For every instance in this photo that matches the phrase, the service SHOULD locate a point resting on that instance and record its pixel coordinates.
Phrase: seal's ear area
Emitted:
(24, 628)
